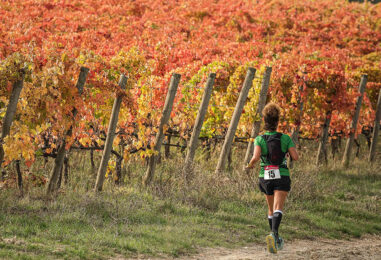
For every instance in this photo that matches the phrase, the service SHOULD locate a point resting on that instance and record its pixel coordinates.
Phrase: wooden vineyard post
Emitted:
(376, 129)
(110, 136)
(58, 162)
(323, 140)
(11, 111)
(175, 80)
(167, 151)
(92, 160)
(349, 144)
(295, 132)
(19, 177)
(198, 124)
(258, 114)
(295, 135)
(235, 120)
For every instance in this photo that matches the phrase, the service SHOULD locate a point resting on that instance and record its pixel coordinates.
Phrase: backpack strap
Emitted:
(264, 158)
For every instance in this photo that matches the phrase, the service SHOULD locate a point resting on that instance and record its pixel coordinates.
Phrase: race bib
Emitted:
(272, 172)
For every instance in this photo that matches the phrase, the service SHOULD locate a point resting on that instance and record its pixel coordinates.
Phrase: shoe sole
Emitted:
(271, 244)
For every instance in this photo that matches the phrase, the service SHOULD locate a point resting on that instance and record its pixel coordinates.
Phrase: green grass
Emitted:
(173, 218)
(128, 222)
(125, 223)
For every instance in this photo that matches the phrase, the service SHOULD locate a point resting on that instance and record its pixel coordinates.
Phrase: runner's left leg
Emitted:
(270, 205)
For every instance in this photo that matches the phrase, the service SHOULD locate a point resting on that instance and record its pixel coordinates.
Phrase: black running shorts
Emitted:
(268, 186)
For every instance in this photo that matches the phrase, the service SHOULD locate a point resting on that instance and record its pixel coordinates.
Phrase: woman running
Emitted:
(274, 177)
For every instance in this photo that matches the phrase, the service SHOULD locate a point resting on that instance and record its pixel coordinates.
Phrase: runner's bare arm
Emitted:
(293, 153)
(256, 156)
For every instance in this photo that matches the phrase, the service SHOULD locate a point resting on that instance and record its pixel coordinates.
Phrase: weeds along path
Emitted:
(369, 247)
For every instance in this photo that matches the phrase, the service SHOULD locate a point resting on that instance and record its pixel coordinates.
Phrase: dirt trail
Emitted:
(368, 247)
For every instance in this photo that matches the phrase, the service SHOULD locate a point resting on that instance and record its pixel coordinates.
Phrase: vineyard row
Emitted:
(62, 149)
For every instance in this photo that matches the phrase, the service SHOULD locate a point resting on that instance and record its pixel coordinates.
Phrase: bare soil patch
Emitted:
(368, 247)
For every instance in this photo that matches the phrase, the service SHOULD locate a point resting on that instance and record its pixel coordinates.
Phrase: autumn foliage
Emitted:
(318, 51)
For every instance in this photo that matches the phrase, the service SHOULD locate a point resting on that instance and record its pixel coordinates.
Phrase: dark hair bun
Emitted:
(271, 114)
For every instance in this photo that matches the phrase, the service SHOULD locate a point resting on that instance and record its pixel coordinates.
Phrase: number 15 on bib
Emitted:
(272, 172)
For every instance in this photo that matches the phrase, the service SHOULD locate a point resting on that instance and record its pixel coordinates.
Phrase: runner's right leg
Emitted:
(279, 199)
